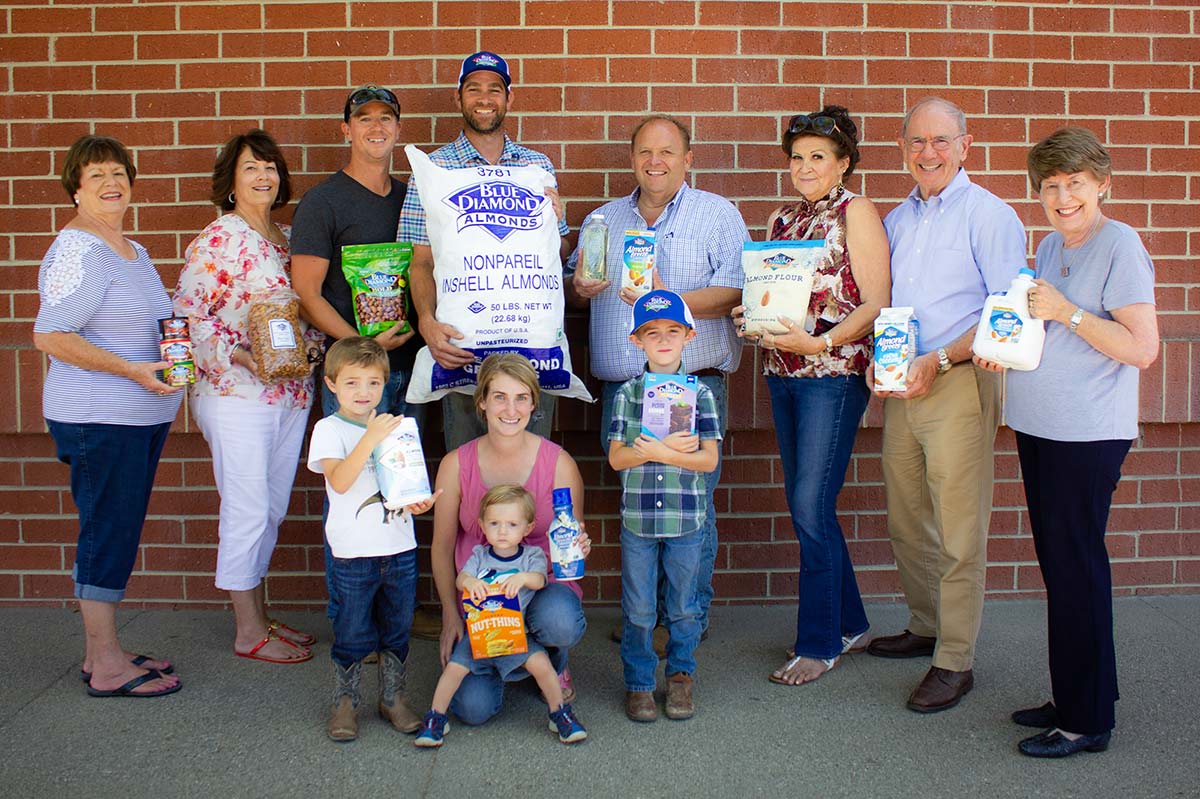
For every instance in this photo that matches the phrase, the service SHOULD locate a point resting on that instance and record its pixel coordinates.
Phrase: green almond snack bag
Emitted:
(378, 278)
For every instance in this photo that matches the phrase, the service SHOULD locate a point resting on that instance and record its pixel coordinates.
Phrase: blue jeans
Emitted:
(392, 401)
(112, 474)
(645, 562)
(374, 598)
(555, 620)
(704, 581)
(816, 420)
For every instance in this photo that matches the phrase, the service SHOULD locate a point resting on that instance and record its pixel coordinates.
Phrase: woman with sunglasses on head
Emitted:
(1075, 417)
(815, 376)
(254, 430)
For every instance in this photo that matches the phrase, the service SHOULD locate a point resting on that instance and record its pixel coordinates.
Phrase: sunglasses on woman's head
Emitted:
(824, 125)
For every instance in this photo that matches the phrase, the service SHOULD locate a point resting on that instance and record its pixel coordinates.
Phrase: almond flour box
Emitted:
(669, 404)
(896, 331)
(495, 626)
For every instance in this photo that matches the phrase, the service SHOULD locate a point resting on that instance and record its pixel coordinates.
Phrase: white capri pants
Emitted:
(255, 453)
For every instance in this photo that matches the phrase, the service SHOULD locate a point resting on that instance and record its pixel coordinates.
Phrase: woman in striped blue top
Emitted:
(104, 404)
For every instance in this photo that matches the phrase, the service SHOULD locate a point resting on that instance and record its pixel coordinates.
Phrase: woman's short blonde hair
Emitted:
(511, 364)
(1067, 151)
(511, 494)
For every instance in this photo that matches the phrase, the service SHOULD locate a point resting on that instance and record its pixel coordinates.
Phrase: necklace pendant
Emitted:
(1065, 271)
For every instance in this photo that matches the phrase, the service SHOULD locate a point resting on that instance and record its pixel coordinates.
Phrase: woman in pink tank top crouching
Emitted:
(506, 395)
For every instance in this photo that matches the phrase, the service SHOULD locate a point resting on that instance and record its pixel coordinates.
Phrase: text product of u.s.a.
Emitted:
(497, 271)
(668, 404)
(779, 281)
(495, 626)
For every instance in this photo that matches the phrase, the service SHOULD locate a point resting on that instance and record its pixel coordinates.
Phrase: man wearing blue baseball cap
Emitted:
(483, 96)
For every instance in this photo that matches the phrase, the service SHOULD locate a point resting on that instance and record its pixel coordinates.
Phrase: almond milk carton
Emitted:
(896, 332)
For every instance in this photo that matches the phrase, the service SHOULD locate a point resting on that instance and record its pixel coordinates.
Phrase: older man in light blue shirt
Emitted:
(952, 244)
(698, 254)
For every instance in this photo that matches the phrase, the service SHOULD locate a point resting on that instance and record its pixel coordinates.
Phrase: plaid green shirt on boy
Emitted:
(659, 500)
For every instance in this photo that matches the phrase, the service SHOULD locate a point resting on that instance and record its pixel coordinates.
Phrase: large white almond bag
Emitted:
(499, 279)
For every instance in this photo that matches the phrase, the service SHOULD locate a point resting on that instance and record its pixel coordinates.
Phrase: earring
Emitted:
(232, 199)
(76, 198)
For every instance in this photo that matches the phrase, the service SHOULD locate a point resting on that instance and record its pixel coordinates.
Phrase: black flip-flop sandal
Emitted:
(138, 660)
(128, 688)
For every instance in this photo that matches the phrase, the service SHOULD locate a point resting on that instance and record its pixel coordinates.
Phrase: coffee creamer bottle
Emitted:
(565, 553)
(593, 254)
(1007, 333)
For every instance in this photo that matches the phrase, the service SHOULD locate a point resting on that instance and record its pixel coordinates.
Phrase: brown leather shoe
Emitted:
(904, 645)
(640, 707)
(940, 689)
(679, 697)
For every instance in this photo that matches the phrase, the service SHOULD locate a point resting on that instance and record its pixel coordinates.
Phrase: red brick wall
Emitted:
(173, 79)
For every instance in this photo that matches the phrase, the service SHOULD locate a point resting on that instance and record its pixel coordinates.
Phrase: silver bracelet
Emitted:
(828, 341)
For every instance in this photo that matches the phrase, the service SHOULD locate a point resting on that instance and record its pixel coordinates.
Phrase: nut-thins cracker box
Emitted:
(896, 331)
(495, 626)
(669, 404)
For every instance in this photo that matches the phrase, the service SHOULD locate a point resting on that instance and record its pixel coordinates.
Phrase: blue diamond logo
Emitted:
(477, 307)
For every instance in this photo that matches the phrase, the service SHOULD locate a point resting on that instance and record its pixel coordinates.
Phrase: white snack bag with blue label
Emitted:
(495, 246)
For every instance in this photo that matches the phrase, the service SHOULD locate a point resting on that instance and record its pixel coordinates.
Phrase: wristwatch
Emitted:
(1076, 318)
(828, 341)
(944, 362)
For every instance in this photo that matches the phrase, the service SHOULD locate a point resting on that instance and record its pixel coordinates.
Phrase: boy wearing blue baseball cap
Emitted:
(663, 503)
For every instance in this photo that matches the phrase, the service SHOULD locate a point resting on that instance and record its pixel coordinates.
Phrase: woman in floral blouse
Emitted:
(815, 375)
(255, 430)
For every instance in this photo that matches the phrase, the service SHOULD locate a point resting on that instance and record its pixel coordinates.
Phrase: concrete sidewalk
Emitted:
(245, 729)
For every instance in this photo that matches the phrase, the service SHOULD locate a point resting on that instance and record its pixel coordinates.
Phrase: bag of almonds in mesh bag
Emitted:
(276, 337)
(378, 279)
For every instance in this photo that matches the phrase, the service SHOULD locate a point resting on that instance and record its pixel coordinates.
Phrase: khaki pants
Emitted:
(937, 471)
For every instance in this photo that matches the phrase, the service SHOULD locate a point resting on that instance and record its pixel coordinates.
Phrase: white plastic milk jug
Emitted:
(1007, 334)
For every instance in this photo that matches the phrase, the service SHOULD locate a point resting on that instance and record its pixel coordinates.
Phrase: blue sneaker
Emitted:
(569, 730)
(433, 729)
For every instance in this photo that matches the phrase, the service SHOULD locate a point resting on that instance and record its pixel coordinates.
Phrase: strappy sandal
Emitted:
(297, 637)
(850, 644)
(791, 664)
(272, 636)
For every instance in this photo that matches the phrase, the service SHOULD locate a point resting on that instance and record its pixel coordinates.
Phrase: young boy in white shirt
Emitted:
(374, 566)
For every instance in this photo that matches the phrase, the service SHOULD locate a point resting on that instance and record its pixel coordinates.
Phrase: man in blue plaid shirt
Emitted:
(484, 92)
(663, 509)
(698, 254)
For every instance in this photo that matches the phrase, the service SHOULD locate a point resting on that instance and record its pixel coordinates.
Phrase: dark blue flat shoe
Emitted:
(1040, 717)
(1055, 744)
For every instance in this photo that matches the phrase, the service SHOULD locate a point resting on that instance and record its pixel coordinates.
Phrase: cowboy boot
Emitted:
(392, 704)
(343, 714)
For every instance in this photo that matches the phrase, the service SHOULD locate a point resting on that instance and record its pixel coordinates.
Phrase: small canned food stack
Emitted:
(176, 347)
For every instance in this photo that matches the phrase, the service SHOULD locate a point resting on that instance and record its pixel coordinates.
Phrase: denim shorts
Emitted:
(112, 474)
(505, 665)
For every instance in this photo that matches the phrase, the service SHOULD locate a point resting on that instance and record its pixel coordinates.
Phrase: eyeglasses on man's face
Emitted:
(916, 144)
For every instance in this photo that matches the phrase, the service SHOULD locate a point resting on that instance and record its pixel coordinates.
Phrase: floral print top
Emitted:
(224, 268)
(834, 293)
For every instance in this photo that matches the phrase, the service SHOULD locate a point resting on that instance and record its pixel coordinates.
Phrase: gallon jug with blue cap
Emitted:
(1007, 333)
